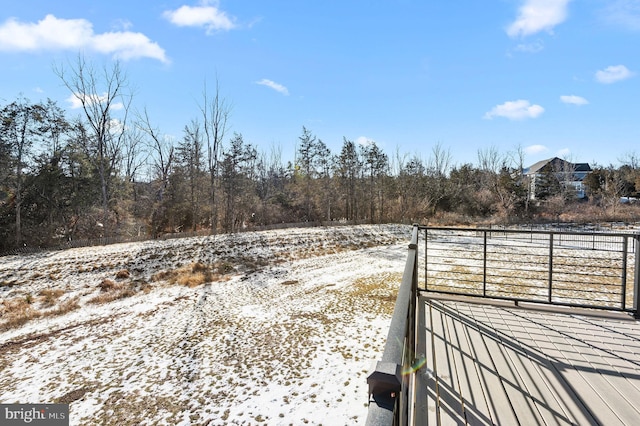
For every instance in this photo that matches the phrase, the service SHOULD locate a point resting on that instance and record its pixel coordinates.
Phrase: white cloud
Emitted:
(574, 100)
(128, 45)
(515, 110)
(52, 33)
(613, 73)
(122, 24)
(535, 149)
(538, 15)
(364, 141)
(534, 47)
(115, 126)
(75, 100)
(275, 86)
(207, 16)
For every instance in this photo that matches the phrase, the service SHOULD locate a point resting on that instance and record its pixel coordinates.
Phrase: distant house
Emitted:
(549, 177)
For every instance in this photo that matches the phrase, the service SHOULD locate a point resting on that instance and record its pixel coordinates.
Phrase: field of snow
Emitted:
(274, 327)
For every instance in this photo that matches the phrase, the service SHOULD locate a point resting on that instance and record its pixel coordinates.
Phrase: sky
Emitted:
(547, 77)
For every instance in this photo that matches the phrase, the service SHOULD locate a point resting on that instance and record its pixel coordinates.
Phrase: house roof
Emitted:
(555, 161)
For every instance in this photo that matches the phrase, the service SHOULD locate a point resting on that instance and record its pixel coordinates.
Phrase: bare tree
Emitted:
(100, 93)
(614, 188)
(215, 113)
(191, 160)
(134, 152)
(518, 159)
(501, 174)
(270, 185)
(490, 160)
(162, 150)
(631, 165)
(631, 159)
(437, 171)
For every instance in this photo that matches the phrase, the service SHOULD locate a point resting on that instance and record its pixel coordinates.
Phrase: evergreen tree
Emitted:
(191, 159)
(376, 164)
(20, 127)
(348, 166)
(237, 176)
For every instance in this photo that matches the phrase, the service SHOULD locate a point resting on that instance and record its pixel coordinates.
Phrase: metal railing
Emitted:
(389, 384)
(581, 269)
(565, 268)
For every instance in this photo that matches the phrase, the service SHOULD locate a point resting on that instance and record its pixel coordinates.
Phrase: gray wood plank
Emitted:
(575, 412)
(518, 393)
(450, 409)
(547, 387)
(432, 391)
(577, 385)
(474, 395)
(423, 378)
(605, 381)
(506, 365)
(483, 351)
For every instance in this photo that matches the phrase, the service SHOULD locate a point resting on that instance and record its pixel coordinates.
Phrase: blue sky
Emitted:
(554, 77)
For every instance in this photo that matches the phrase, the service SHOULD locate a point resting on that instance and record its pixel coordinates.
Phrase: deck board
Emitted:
(474, 398)
(449, 405)
(502, 364)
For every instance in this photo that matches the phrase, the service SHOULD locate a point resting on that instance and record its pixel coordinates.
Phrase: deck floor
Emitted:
(502, 364)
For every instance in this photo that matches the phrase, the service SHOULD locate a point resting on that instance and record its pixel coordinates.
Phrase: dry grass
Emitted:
(223, 268)
(375, 294)
(162, 276)
(111, 290)
(109, 285)
(195, 274)
(123, 274)
(74, 395)
(112, 295)
(64, 307)
(16, 313)
(192, 279)
(50, 297)
(128, 409)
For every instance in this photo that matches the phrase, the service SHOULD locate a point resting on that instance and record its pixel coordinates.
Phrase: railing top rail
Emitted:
(394, 347)
(386, 378)
(533, 231)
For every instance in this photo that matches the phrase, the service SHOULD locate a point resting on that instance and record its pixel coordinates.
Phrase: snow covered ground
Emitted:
(274, 327)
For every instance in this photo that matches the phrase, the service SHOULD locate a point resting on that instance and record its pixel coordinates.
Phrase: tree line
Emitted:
(110, 171)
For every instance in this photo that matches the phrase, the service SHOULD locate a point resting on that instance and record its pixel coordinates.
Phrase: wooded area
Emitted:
(112, 172)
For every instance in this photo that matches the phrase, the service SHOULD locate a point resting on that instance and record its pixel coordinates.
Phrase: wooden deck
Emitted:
(501, 364)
